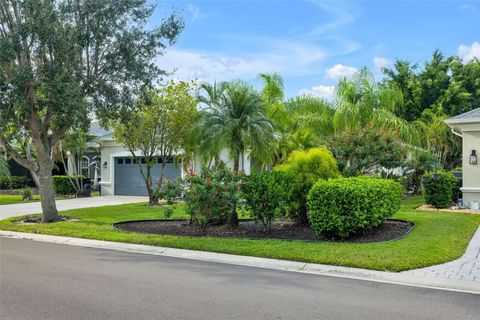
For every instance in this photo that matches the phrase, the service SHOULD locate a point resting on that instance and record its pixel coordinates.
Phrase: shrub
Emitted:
(307, 167)
(368, 150)
(266, 195)
(212, 197)
(340, 208)
(27, 194)
(439, 188)
(65, 185)
(13, 182)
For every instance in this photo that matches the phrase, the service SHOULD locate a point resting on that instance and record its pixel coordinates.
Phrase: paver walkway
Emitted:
(20, 209)
(466, 268)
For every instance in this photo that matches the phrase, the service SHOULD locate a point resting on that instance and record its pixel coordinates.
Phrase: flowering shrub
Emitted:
(368, 150)
(168, 190)
(212, 197)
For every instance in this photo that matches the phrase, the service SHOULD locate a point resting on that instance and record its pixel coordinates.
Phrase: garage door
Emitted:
(129, 180)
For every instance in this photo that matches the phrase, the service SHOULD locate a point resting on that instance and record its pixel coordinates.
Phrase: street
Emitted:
(51, 281)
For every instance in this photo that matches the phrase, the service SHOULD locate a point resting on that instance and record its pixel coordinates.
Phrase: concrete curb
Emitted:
(273, 264)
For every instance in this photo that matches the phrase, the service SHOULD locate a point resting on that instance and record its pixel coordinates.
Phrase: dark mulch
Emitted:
(284, 230)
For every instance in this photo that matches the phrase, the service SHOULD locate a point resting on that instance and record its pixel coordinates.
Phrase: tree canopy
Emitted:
(62, 60)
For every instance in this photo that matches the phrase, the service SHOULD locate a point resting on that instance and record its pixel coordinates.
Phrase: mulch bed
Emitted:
(284, 230)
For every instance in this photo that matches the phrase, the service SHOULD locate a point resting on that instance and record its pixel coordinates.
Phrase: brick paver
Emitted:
(466, 268)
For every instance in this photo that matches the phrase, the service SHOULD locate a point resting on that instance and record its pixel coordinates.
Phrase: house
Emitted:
(467, 126)
(120, 174)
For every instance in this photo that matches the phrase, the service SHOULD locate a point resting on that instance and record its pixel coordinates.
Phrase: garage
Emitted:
(129, 180)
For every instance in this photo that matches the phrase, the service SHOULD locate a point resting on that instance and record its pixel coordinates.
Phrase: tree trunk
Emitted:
(233, 217)
(47, 193)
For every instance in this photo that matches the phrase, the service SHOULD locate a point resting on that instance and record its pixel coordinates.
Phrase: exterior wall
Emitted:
(245, 163)
(471, 173)
(111, 149)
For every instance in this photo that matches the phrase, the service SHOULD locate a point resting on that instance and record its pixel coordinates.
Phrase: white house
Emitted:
(467, 126)
(120, 174)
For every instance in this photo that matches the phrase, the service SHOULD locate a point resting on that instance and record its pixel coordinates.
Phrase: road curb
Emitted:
(265, 263)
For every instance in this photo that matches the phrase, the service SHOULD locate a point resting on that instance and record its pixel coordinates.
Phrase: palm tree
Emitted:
(233, 117)
(362, 101)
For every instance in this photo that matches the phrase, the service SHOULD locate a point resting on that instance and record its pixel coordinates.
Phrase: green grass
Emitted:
(12, 199)
(438, 237)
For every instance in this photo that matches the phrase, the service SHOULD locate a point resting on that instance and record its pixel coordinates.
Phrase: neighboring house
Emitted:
(120, 174)
(467, 126)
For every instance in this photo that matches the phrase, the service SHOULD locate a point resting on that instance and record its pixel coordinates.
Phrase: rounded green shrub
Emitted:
(340, 208)
(439, 188)
(307, 167)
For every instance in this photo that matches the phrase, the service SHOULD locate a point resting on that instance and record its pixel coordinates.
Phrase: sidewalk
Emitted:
(21, 209)
(465, 268)
(409, 278)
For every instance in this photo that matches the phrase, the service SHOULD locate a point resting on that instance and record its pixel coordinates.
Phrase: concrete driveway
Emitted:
(20, 209)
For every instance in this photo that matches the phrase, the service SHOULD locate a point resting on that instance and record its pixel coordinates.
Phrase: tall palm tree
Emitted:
(361, 101)
(233, 117)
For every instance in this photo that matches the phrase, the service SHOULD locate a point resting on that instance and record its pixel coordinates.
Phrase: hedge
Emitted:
(439, 188)
(341, 208)
(63, 184)
(13, 182)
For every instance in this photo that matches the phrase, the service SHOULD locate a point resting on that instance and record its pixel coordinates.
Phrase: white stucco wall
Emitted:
(108, 151)
(471, 173)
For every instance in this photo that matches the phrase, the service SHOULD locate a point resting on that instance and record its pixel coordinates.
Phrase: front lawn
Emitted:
(12, 199)
(438, 237)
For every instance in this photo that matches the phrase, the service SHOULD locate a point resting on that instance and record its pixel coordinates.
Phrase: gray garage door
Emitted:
(129, 180)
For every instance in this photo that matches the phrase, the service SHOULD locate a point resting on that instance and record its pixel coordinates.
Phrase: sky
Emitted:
(312, 44)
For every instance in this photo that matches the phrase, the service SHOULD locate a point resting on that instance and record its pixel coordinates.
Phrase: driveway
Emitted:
(41, 280)
(13, 210)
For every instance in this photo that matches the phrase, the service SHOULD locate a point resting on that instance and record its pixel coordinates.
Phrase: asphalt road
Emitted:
(51, 281)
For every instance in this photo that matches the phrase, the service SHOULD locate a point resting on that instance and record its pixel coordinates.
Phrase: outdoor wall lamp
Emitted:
(473, 157)
(105, 165)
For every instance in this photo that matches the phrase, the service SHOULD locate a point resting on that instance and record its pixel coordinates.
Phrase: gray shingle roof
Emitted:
(472, 116)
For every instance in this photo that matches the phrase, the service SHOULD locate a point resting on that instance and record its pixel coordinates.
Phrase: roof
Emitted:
(100, 133)
(472, 116)
(97, 131)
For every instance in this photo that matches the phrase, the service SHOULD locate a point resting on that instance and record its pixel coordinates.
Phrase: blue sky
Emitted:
(314, 43)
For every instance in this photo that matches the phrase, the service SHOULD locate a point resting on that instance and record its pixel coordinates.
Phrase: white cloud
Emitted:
(289, 58)
(340, 71)
(195, 12)
(320, 91)
(467, 7)
(467, 53)
(380, 63)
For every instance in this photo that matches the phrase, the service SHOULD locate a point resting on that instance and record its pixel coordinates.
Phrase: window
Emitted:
(85, 166)
(120, 161)
(128, 161)
(143, 160)
(134, 161)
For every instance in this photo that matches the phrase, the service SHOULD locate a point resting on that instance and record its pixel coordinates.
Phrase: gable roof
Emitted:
(472, 116)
